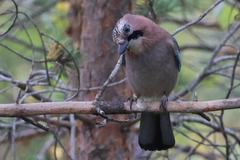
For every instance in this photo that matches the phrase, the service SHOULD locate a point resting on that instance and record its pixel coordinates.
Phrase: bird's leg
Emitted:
(164, 101)
(131, 100)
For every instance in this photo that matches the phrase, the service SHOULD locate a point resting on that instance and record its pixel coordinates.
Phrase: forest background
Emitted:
(55, 51)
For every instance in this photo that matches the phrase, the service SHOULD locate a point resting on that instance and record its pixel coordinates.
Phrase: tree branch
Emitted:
(198, 19)
(87, 107)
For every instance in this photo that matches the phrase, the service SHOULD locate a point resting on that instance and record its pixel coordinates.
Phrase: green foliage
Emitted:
(35, 44)
(163, 8)
(159, 7)
(64, 58)
(227, 15)
(33, 147)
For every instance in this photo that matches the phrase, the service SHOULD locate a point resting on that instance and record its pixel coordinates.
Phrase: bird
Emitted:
(152, 62)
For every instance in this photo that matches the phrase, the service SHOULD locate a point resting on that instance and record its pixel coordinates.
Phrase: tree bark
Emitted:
(91, 25)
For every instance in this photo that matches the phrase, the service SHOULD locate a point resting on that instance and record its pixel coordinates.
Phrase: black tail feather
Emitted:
(156, 132)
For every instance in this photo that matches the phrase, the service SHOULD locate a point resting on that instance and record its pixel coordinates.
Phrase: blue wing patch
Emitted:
(178, 59)
(177, 55)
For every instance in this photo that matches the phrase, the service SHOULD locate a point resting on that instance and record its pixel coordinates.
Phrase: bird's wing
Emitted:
(177, 54)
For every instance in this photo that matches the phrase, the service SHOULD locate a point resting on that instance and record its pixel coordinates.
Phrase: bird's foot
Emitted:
(131, 100)
(163, 104)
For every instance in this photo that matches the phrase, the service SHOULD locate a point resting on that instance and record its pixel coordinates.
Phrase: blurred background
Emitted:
(63, 50)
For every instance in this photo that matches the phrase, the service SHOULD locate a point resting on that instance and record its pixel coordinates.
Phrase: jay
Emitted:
(152, 62)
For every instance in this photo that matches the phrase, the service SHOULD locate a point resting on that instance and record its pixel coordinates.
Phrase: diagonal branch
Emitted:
(198, 19)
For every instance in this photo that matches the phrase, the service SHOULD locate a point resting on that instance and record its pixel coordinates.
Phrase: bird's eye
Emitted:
(126, 28)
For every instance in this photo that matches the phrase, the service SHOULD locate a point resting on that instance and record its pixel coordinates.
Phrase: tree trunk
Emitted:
(91, 25)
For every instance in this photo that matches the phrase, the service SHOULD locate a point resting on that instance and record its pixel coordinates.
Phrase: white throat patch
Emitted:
(135, 45)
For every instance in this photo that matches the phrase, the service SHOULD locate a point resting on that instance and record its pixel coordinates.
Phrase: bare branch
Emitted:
(87, 107)
(208, 68)
(15, 19)
(112, 75)
(72, 136)
(202, 23)
(198, 19)
(212, 125)
(233, 75)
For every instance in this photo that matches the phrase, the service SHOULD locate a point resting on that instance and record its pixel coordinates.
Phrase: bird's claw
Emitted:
(131, 100)
(101, 124)
(99, 111)
(163, 104)
(102, 114)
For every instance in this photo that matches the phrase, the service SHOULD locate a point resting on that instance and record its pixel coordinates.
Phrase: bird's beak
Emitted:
(122, 47)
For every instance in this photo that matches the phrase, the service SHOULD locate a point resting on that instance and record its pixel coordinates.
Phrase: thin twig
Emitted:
(198, 19)
(193, 150)
(6, 152)
(112, 75)
(75, 65)
(38, 12)
(150, 7)
(72, 137)
(207, 70)
(222, 126)
(204, 138)
(222, 112)
(218, 48)
(15, 19)
(13, 136)
(45, 148)
(233, 75)
(28, 120)
(56, 134)
(214, 125)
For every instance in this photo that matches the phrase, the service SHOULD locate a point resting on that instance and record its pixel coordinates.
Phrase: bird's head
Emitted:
(125, 31)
